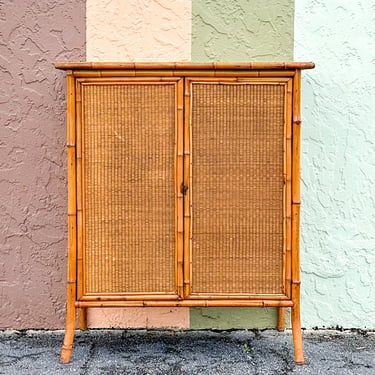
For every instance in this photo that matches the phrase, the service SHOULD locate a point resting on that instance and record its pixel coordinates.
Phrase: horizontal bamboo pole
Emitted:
(118, 80)
(276, 73)
(91, 73)
(184, 303)
(165, 75)
(195, 296)
(282, 81)
(238, 296)
(152, 73)
(184, 65)
(129, 297)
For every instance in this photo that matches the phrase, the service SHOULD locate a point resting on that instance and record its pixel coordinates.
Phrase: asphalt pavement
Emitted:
(154, 352)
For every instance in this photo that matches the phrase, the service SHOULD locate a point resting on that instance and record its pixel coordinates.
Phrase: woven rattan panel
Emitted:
(237, 188)
(128, 143)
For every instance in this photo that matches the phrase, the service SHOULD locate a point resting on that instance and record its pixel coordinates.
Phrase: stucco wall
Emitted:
(134, 30)
(338, 135)
(34, 34)
(242, 30)
(138, 30)
(338, 162)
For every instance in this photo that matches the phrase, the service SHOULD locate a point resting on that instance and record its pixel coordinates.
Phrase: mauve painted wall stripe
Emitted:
(35, 34)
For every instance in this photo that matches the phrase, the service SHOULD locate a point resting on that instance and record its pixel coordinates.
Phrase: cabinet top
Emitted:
(184, 65)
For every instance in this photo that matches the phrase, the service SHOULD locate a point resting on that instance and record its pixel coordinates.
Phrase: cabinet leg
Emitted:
(82, 318)
(66, 350)
(297, 335)
(281, 319)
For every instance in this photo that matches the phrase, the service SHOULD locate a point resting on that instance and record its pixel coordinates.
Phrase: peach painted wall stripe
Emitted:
(139, 317)
(138, 30)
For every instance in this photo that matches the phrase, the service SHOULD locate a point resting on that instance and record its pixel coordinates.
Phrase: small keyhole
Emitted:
(184, 189)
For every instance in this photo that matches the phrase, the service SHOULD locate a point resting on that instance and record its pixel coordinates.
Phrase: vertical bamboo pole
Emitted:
(287, 200)
(67, 346)
(296, 319)
(180, 186)
(78, 101)
(187, 182)
(288, 188)
(82, 320)
(281, 319)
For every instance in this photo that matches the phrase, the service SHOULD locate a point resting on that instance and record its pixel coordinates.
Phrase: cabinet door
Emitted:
(240, 152)
(128, 131)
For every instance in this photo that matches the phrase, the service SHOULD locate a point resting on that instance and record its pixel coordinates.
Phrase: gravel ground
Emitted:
(187, 352)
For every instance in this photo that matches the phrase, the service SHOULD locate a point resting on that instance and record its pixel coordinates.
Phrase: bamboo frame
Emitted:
(287, 200)
(182, 75)
(81, 136)
(186, 303)
(184, 65)
(296, 319)
(187, 197)
(273, 80)
(165, 74)
(82, 312)
(79, 193)
(280, 319)
(175, 297)
(179, 204)
(66, 350)
(130, 297)
(288, 186)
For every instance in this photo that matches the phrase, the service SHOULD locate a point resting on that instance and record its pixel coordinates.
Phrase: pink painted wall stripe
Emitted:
(139, 317)
(138, 30)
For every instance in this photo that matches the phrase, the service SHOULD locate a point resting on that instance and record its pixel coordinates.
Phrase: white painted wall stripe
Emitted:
(338, 168)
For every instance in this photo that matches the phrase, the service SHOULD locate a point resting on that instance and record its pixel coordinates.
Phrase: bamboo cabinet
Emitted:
(183, 187)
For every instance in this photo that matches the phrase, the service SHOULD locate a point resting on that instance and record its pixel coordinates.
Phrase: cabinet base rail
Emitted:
(186, 303)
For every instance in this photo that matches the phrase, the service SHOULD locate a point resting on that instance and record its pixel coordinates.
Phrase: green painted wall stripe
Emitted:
(234, 317)
(242, 30)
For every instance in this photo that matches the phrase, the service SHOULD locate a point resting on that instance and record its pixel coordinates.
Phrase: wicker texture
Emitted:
(128, 148)
(237, 187)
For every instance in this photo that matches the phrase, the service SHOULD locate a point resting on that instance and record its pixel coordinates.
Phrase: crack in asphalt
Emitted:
(88, 359)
